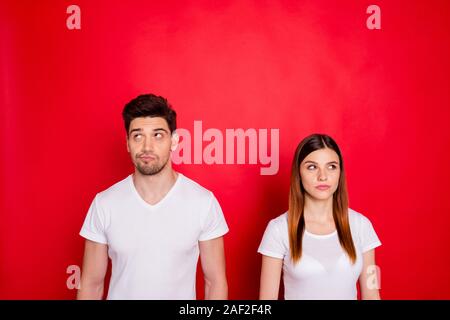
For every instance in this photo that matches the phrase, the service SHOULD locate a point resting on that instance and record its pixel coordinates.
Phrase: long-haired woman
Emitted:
(322, 247)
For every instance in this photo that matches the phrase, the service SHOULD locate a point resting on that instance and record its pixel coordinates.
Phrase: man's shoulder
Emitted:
(193, 189)
(115, 192)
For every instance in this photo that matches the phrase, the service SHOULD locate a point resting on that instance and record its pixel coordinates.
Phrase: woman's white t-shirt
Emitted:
(154, 248)
(324, 270)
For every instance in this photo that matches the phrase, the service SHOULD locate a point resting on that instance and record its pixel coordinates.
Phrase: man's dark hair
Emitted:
(149, 105)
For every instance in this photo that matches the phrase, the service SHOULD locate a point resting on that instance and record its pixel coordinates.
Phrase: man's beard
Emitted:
(150, 170)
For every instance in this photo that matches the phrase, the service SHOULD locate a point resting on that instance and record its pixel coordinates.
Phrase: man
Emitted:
(155, 223)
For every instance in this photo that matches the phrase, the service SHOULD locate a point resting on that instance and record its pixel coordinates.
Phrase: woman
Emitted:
(322, 246)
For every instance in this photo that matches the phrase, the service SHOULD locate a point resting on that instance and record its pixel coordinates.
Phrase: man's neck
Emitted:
(153, 188)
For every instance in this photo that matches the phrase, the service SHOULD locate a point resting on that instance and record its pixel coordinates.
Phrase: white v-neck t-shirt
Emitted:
(324, 271)
(154, 248)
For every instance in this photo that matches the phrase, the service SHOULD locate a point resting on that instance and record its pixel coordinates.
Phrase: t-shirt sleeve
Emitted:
(94, 224)
(214, 224)
(272, 242)
(368, 236)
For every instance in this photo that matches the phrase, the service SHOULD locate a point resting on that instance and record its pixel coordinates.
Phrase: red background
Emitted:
(300, 66)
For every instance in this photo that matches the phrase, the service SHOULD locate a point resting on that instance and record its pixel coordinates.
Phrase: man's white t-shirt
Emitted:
(154, 248)
(324, 270)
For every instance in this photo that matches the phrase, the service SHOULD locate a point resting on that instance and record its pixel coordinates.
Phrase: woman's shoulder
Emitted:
(359, 223)
(356, 217)
(281, 219)
(280, 222)
(363, 231)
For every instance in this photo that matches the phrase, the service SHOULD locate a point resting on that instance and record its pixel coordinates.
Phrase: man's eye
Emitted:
(137, 136)
(158, 135)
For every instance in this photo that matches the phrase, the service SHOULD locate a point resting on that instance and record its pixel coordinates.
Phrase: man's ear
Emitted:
(175, 140)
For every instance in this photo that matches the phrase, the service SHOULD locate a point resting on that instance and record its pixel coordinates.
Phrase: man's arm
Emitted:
(212, 257)
(95, 264)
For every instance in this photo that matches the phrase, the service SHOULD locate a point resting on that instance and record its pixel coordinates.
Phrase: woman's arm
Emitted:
(270, 278)
(369, 280)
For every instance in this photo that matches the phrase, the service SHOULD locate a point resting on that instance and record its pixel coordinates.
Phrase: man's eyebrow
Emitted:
(154, 130)
(160, 129)
(137, 129)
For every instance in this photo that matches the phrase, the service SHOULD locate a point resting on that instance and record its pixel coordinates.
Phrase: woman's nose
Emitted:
(322, 175)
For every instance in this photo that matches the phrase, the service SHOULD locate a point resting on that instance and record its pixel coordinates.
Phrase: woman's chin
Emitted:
(320, 196)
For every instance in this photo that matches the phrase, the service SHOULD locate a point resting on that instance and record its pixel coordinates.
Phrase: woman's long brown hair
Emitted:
(296, 219)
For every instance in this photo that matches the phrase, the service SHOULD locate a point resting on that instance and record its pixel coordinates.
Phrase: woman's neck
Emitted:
(318, 210)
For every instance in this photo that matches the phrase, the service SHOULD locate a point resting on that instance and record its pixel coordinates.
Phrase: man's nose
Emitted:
(147, 144)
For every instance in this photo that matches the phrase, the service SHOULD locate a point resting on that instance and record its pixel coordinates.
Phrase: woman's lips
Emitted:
(323, 187)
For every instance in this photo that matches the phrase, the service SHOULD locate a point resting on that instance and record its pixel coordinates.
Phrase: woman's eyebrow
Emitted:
(331, 162)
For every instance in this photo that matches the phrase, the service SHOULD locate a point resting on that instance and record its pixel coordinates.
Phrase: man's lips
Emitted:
(147, 157)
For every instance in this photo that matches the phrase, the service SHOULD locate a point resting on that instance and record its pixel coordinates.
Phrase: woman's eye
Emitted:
(311, 167)
(332, 167)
